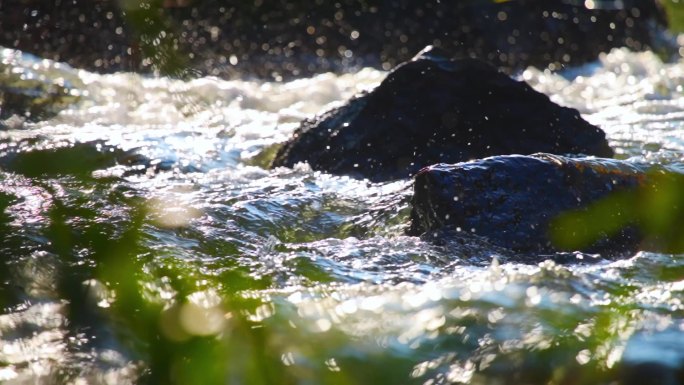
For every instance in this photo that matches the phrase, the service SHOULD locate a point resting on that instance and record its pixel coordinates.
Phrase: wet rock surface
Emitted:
(436, 110)
(511, 200)
(278, 38)
(29, 97)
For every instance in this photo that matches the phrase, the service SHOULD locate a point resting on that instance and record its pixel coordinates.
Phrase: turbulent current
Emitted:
(142, 239)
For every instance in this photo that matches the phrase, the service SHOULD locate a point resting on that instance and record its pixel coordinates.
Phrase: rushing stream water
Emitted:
(144, 239)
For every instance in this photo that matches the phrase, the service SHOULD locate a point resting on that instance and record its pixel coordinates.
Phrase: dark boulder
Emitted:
(512, 200)
(436, 110)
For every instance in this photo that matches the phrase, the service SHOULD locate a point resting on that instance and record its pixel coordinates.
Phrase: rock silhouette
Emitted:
(437, 110)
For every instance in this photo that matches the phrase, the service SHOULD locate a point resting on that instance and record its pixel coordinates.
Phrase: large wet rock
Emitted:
(281, 38)
(512, 200)
(26, 95)
(431, 110)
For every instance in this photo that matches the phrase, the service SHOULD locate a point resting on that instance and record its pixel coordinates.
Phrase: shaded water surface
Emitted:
(143, 240)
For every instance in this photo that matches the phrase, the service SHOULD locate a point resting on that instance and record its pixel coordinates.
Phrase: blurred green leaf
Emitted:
(675, 14)
(653, 212)
(156, 40)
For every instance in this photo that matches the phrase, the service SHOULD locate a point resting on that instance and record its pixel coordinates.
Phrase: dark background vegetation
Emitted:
(279, 38)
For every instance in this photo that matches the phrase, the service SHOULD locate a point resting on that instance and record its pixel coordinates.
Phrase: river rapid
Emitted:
(143, 239)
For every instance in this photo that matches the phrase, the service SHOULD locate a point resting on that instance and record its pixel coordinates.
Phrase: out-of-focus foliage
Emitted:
(675, 14)
(154, 31)
(185, 340)
(655, 211)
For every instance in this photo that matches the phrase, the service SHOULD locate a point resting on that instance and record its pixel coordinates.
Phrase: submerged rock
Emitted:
(26, 95)
(512, 200)
(33, 158)
(431, 110)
